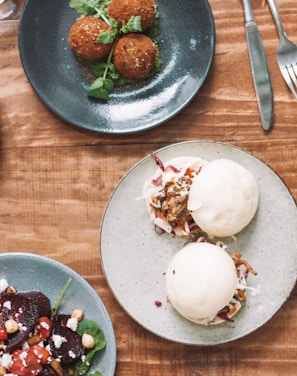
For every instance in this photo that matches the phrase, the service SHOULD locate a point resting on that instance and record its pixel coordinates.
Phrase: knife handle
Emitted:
(248, 11)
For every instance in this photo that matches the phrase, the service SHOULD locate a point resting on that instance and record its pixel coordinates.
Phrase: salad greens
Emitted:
(88, 327)
(107, 77)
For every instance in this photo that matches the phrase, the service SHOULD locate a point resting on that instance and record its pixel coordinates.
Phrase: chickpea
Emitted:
(11, 290)
(88, 341)
(11, 326)
(77, 314)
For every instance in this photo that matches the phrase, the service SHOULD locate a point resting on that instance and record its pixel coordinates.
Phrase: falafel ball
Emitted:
(123, 10)
(83, 38)
(135, 55)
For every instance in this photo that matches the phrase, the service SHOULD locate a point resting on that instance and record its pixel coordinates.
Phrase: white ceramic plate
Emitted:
(135, 257)
(26, 271)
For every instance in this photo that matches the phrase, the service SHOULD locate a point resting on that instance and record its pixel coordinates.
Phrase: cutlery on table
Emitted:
(259, 67)
(286, 52)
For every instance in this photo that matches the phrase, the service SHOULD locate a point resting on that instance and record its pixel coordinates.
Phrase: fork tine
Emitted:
(291, 71)
(294, 69)
(287, 78)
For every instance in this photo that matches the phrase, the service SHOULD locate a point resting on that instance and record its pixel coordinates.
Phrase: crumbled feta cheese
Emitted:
(6, 360)
(58, 340)
(7, 304)
(72, 324)
(23, 356)
(22, 327)
(44, 325)
(3, 285)
(71, 354)
(25, 346)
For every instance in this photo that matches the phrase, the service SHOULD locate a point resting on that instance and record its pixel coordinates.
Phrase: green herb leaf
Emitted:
(98, 70)
(101, 88)
(84, 7)
(59, 300)
(108, 85)
(132, 26)
(90, 327)
(98, 8)
(113, 23)
(107, 36)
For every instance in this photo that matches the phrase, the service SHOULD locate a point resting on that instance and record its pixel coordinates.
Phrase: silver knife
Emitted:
(259, 67)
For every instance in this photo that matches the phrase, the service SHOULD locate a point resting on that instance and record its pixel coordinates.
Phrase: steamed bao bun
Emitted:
(223, 198)
(201, 280)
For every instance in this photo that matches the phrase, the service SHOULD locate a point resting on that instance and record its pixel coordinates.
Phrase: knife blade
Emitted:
(259, 68)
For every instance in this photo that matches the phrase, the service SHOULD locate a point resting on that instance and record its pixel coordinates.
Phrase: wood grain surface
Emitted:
(55, 180)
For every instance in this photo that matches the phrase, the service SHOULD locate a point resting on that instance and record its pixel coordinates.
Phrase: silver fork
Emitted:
(286, 52)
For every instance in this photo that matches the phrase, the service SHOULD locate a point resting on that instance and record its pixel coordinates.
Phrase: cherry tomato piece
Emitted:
(25, 363)
(3, 334)
(44, 327)
(40, 352)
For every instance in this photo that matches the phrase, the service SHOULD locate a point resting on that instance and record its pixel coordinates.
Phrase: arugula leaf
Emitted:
(90, 327)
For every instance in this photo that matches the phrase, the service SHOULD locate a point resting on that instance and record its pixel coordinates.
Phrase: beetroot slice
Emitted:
(71, 348)
(25, 308)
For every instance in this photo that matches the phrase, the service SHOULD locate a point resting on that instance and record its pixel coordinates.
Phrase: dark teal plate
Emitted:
(187, 42)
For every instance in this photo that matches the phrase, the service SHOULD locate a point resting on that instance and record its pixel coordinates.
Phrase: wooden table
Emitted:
(55, 180)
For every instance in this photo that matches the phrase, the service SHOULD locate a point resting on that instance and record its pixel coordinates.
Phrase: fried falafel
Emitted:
(83, 38)
(123, 10)
(135, 55)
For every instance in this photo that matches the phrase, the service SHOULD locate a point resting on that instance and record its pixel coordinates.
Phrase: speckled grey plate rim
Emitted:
(27, 271)
(187, 50)
(134, 258)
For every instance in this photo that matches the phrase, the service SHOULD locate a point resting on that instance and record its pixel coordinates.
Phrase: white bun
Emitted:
(223, 198)
(201, 279)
